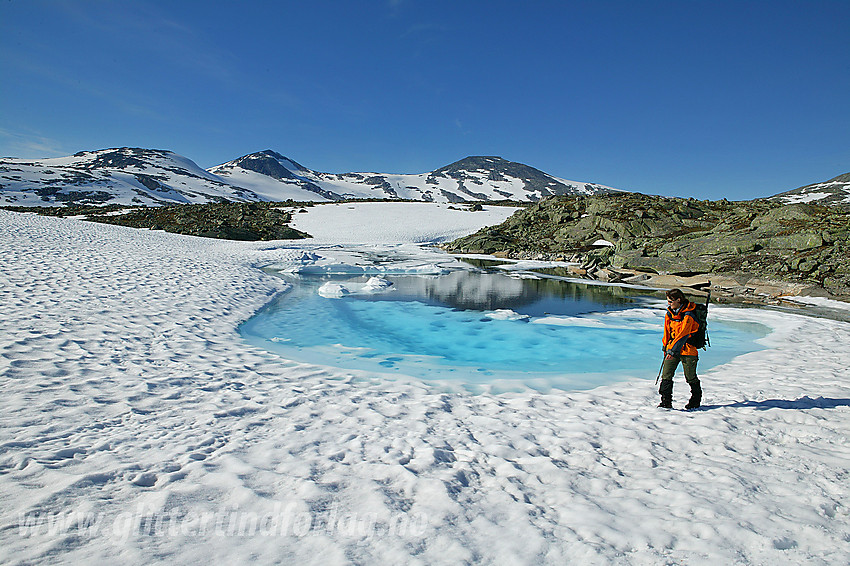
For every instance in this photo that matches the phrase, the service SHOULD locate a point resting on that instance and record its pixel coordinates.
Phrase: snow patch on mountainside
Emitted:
(833, 191)
(128, 176)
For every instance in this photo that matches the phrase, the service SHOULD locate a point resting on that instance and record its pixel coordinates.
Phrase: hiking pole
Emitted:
(707, 301)
(661, 368)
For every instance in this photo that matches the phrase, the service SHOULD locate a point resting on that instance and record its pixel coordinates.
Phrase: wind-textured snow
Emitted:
(136, 426)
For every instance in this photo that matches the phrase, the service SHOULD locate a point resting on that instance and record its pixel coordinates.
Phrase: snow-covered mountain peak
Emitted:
(267, 162)
(152, 176)
(125, 175)
(134, 159)
(474, 178)
(535, 184)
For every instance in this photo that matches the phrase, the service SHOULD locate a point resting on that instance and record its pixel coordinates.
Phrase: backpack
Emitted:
(699, 339)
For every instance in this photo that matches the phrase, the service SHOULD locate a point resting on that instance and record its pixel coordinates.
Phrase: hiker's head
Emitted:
(676, 298)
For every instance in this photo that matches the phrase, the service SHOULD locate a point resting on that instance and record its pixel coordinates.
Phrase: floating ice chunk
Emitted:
(333, 290)
(570, 321)
(334, 268)
(505, 314)
(377, 284)
(307, 257)
(427, 269)
(337, 290)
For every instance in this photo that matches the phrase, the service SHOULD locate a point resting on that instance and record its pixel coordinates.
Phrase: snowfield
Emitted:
(395, 222)
(136, 426)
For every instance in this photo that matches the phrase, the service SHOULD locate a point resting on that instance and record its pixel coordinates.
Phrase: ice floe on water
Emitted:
(137, 426)
(506, 314)
(372, 286)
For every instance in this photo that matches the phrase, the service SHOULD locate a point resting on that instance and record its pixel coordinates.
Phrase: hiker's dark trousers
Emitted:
(689, 365)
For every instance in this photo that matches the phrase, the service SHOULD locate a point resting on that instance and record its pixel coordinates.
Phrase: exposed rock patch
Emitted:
(612, 237)
(230, 221)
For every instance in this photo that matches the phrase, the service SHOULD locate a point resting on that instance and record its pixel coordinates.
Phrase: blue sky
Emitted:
(706, 99)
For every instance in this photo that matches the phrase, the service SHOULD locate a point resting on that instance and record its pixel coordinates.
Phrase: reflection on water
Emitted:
(483, 263)
(474, 328)
(491, 291)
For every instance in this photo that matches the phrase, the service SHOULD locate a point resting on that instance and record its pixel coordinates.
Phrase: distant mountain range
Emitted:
(135, 176)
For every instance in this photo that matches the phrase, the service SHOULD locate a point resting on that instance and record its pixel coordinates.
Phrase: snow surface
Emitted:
(268, 188)
(804, 197)
(816, 192)
(136, 426)
(382, 222)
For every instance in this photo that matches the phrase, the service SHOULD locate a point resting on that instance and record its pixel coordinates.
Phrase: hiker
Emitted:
(679, 323)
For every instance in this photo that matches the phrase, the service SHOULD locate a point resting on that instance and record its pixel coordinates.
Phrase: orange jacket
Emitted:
(678, 326)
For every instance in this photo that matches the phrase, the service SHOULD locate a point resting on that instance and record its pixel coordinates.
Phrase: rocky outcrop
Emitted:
(231, 221)
(806, 244)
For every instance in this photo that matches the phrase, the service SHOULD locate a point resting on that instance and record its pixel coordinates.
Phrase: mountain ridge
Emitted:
(152, 177)
(473, 178)
(133, 176)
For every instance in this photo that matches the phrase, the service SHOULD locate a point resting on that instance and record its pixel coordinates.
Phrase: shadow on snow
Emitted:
(801, 403)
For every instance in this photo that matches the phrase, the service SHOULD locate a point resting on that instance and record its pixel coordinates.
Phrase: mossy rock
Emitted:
(800, 241)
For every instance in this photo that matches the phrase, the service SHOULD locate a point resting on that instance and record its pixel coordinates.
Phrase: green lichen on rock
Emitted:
(799, 243)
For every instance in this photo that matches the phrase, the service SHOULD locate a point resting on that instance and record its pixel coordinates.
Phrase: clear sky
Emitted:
(714, 99)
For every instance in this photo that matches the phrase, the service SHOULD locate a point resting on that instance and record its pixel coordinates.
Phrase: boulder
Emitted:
(799, 241)
(675, 265)
(800, 212)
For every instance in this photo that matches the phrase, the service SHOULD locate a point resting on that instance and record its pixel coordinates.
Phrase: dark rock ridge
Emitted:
(798, 243)
(231, 221)
(267, 163)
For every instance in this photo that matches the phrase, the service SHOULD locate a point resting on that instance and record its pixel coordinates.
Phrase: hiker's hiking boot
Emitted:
(696, 396)
(666, 391)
